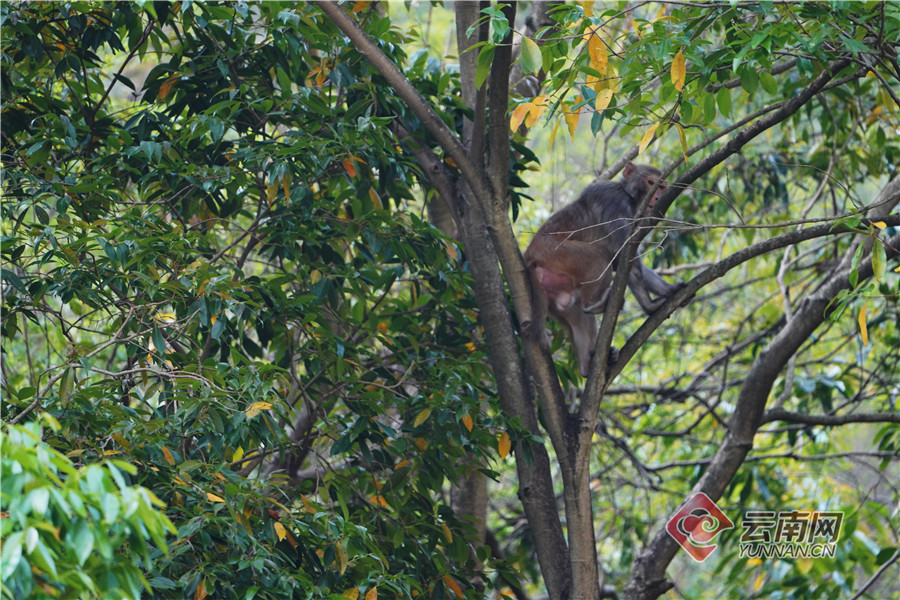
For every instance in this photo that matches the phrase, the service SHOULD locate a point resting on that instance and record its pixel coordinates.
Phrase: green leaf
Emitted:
(709, 108)
(83, 542)
(879, 260)
(485, 60)
(749, 80)
(13, 280)
(531, 56)
(66, 383)
(768, 82)
(723, 99)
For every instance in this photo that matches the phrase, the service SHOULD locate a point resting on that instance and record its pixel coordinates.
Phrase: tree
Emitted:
(226, 282)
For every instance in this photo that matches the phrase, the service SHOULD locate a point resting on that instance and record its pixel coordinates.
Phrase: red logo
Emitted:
(696, 524)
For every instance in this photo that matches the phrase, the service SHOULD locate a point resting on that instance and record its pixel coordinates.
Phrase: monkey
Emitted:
(572, 256)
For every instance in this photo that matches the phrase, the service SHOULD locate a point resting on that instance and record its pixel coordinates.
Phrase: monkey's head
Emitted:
(638, 180)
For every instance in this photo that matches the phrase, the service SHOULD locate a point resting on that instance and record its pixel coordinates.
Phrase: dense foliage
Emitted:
(240, 362)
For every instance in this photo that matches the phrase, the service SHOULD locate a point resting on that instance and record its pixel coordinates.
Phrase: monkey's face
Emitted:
(650, 182)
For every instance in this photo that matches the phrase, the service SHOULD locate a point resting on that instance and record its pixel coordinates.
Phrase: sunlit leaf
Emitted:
(571, 118)
(647, 138)
(518, 115)
(422, 417)
(604, 97)
(538, 105)
(256, 407)
(213, 498)
(678, 71)
(588, 7)
(504, 444)
(280, 530)
(598, 54)
(863, 330)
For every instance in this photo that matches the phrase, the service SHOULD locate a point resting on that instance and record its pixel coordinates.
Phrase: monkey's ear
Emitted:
(629, 169)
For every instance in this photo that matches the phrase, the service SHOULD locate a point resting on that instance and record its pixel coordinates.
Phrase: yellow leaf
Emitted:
(213, 498)
(238, 454)
(862, 325)
(571, 118)
(323, 73)
(604, 97)
(504, 444)
(379, 500)
(678, 71)
(648, 137)
(286, 185)
(167, 454)
(271, 192)
(422, 417)
(535, 112)
(375, 198)
(166, 87)
(165, 317)
(553, 134)
(597, 52)
(588, 7)
(341, 554)
(518, 115)
(280, 530)
(880, 224)
(361, 5)
(468, 422)
(448, 535)
(401, 464)
(307, 505)
(352, 593)
(450, 583)
(372, 594)
(257, 407)
(201, 592)
(804, 565)
(760, 580)
(349, 166)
